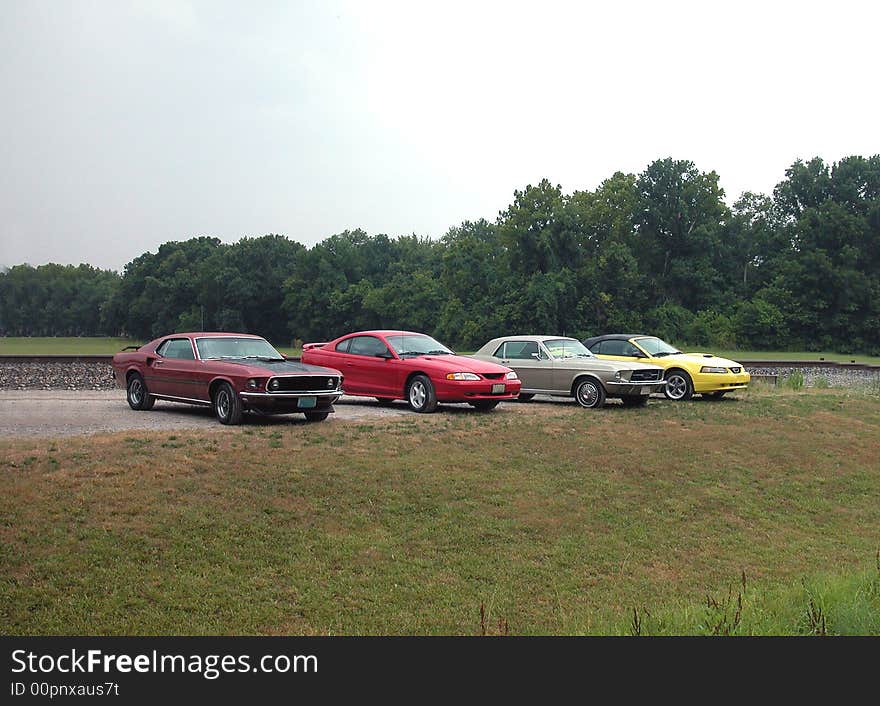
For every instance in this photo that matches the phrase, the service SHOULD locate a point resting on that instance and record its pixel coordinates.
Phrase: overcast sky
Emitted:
(127, 124)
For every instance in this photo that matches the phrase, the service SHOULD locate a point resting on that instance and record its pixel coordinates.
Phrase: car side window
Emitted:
(179, 348)
(613, 347)
(342, 346)
(521, 350)
(367, 345)
(499, 353)
(630, 350)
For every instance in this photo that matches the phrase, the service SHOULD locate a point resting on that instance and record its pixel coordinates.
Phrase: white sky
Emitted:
(127, 124)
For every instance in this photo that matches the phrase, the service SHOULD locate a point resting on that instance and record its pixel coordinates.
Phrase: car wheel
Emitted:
(525, 397)
(421, 394)
(484, 405)
(635, 400)
(316, 416)
(385, 401)
(715, 395)
(678, 385)
(138, 395)
(227, 405)
(589, 393)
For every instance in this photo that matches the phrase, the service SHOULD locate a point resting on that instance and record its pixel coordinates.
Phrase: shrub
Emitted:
(709, 328)
(794, 380)
(759, 323)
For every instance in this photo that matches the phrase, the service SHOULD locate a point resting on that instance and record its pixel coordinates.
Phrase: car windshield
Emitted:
(417, 344)
(567, 348)
(657, 347)
(231, 347)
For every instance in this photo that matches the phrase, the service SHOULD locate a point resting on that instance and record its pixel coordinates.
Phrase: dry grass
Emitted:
(552, 518)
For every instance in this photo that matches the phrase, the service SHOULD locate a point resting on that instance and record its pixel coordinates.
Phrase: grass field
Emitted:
(78, 346)
(787, 355)
(97, 345)
(64, 346)
(757, 514)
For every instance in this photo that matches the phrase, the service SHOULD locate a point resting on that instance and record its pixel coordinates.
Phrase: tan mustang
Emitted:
(555, 365)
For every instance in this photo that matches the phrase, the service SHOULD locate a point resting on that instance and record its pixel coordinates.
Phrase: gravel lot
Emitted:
(71, 413)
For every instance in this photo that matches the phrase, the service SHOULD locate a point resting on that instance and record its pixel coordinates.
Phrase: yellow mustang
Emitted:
(686, 373)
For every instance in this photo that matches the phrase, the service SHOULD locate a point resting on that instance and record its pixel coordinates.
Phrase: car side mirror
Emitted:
(386, 355)
(639, 354)
(536, 356)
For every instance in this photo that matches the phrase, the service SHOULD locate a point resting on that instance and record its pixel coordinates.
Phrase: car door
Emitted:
(618, 349)
(177, 372)
(530, 361)
(369, 367)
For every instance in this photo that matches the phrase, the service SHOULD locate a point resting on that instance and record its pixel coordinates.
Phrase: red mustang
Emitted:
(395, 365)
(231, 372)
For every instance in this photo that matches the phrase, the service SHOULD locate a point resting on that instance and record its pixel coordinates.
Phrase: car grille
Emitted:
(305, 383)
(493, 376)
(645, 375)
(735, 370)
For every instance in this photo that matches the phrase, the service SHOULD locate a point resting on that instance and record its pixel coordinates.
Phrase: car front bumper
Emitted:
(626, 387)
(471, 390)
(721, 382)
(291, 401)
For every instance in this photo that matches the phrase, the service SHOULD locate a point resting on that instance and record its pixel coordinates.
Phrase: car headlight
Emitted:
(711, 369)
(462, 376)
(253, 384)
(511, 376)
(618, 375)
(274, 384)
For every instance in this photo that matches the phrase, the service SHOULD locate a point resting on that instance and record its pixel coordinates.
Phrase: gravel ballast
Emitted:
(45, 374)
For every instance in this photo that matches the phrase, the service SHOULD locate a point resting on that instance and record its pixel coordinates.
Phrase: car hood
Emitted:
(256, 368)
(459, 364)
(702, 359)
(597, 364)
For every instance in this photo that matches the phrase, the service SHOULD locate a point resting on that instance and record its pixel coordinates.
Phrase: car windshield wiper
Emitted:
(266, 358)
(403, 354)
(439, 353)
(223, 357)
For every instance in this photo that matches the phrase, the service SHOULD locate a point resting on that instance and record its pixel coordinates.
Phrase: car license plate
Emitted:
(498, 387)
(645, 390)
(307, 402)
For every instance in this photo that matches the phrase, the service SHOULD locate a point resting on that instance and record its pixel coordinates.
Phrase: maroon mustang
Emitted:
(231, 372)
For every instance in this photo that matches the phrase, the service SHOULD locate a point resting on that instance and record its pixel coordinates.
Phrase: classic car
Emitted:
(394, 365)
(556, 365)
(231, 372)
(686, 373)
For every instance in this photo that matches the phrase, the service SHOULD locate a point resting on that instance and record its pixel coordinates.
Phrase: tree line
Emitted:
(657, 252)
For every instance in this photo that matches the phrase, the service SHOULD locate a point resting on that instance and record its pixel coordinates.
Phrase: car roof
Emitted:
(212, 334)
(534, 337)
(383, 332)
(615, 337)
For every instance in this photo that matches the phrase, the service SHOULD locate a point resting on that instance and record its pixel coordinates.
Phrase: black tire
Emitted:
(227, 404)
(420, 395)
(634, 400)
(525, 396)
(316, 416)
(679, 385)
(589, 393)
(385, 401)
(715, 395)
(138, 395)
(484, 405)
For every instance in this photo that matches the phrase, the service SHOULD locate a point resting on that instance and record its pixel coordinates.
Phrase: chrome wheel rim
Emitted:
(222, 404)
(135, 391)
(676, 386)
(588, 394)
(417, 395)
